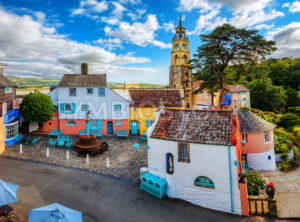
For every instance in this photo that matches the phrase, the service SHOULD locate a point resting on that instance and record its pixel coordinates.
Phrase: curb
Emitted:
(75, 168)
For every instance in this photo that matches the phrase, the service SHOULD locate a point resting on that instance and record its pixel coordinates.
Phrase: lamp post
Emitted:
(87, 122)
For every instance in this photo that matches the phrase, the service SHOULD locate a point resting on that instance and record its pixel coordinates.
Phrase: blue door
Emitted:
(110, 127)
(134, 128)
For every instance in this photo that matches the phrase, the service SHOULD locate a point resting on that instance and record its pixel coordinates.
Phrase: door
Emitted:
(134, 128)
(110, 127)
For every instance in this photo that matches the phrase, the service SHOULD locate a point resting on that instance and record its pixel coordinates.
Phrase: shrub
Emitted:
(284, 157)
(283, 148)
(296, 159)
(255, 182)
(289, 120)
(284, 166)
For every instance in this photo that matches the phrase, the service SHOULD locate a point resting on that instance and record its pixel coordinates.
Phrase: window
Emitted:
(71, 123)
(267, 136)
(89, 91)
(68, 107)
(184, 46)
(11, 130)
(94, 124)
(8, 90)
(2, 71)
(117, 107)
(204, 182)
(169, 163)
(149, 122)
(101, 91)
(119, 123)
(184, 152)
(176, 46)
(245, 137)
(84, 107)
(72, 92)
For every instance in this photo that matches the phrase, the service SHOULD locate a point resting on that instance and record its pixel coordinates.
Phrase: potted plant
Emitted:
(271, 190)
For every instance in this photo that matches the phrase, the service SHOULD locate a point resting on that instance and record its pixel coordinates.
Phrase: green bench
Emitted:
(121, 133)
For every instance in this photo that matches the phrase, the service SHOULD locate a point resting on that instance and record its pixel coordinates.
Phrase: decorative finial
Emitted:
(180, 22)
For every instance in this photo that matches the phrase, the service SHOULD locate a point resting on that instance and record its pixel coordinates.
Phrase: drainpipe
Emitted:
(230, 178)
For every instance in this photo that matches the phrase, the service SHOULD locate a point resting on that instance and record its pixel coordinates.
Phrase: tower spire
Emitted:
(180, 23)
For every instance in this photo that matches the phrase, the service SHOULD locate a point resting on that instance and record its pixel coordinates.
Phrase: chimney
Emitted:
(84, 69)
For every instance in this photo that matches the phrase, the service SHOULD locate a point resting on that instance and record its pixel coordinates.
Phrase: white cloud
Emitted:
(233, 5)
(88, 7)
(169, 27)
(287, 40)
(109, 43)
(294, 7)
(111, 20)
(31, 49)
(116, 14)
(140, 34)
(139, 13)
(119, 9)
(133, 2)
(264, 26)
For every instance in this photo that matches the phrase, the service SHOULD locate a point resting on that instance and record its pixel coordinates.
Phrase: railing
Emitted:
(262, 206)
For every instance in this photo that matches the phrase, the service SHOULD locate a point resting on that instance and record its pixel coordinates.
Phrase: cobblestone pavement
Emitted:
(284, 182)
(124, 161)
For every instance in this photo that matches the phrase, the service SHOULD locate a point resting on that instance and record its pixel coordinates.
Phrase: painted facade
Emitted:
(74, 98)
(144, 104)
(8, 108)
(208, 176)
(2, 142)
(258, 141)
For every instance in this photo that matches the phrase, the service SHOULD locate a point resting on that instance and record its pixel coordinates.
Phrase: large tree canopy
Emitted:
(37, 107)
(225, 46)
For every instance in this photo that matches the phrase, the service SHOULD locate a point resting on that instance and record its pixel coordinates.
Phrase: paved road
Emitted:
(99, 198)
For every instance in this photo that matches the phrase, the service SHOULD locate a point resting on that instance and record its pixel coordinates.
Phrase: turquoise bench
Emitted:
(35, 140)
(69, 144)
(121, 133)
(52, 142)
(94, 132)
(55, 132)
(19, 138)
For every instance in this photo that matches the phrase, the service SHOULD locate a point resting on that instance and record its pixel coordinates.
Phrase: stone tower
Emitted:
(180, 75)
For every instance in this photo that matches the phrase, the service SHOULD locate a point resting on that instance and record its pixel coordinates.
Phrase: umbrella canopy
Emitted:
(8, 193)
(54, 213)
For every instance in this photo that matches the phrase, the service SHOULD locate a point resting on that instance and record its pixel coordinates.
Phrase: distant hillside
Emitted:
(36, 83)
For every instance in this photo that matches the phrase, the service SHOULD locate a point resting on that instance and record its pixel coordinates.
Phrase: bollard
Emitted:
(67, 155)
(21, 148)
(87, 158)
(107, 162)
(47, 152)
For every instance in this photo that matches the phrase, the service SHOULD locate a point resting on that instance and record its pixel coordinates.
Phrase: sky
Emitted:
(129, 40)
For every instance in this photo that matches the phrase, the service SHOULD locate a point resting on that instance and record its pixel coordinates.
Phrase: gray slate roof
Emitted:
(194, 126)
(5, 82)
(251, 123)
(78, 80)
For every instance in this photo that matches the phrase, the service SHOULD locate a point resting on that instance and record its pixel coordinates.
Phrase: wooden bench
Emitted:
(121, 133)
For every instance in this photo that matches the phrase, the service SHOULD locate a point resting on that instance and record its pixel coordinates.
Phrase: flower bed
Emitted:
(87, 140)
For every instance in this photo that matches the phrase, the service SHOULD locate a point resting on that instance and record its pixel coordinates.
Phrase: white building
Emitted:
(193, 151)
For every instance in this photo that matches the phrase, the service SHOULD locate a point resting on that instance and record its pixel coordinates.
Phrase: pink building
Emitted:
(236, 95)
(257, 141)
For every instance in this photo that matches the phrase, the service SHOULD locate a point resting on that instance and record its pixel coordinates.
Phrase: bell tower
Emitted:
(180, 75)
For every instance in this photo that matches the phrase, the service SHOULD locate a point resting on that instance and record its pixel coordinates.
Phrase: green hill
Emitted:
(36, 83)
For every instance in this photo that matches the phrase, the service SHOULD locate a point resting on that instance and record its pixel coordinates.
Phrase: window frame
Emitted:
(115, 105)
(245, 137)
(119, 123)
(89, 93)
(101, 90)
(181, 153)
(94, 121)
(70, 91)
(11, 130)
(267, 136)
(85, 105)
(66, 110)
(71, 124)
(208, 183)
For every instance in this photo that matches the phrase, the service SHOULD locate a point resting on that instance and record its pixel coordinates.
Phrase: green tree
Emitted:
(265, 96)
(255, 182)
(292, 97)
(37, 107)
(289, 120)
(228, 45)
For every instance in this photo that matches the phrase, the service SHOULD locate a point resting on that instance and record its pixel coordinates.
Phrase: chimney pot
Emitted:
(84, 69)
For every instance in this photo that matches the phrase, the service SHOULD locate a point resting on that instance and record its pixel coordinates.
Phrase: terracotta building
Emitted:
(257, 140)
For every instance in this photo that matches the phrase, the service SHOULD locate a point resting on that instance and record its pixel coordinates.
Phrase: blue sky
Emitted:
(130, 40)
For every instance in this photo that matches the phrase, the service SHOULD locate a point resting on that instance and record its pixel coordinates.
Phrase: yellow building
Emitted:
(180, 76)
(145, 103)
(2, 143)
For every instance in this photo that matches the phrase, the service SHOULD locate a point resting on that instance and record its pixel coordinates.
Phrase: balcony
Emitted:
(11, 115)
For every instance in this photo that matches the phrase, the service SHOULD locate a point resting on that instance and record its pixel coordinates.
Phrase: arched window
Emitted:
(188, 105)
(71, 123)
(169, 163)
(203, 181)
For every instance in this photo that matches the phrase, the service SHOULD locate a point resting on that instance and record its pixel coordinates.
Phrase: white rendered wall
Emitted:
(100, 107)
(54, 96)
(205, 160)
(260, 161)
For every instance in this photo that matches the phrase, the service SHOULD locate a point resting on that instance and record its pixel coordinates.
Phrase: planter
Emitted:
(87, 140)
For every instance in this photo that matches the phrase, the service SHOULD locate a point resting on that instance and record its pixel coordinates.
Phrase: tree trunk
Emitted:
(221, 95)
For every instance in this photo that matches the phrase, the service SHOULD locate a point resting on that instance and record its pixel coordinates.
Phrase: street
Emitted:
(99, 198)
